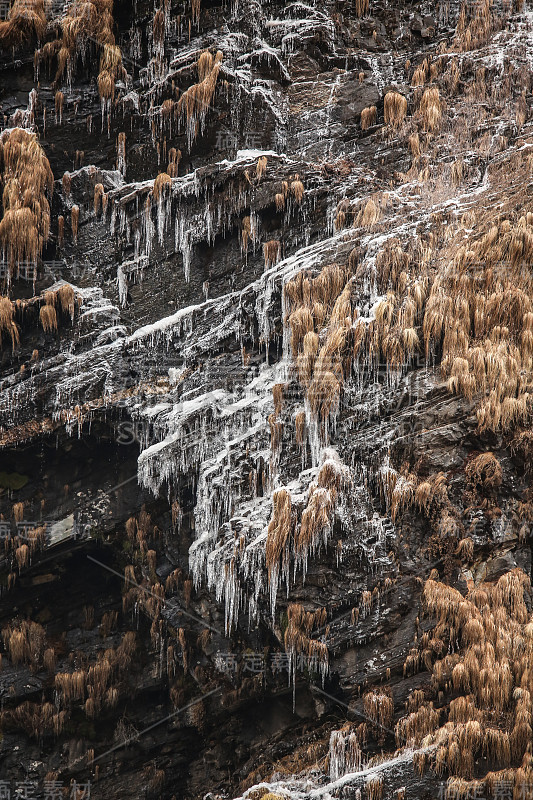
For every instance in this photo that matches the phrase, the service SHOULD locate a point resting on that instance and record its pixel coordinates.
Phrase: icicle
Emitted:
(122, 286)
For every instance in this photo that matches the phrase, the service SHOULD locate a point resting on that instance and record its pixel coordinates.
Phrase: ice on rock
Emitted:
(345, 754)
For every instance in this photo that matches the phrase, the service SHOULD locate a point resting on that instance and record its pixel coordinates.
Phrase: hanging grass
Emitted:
(28, 183)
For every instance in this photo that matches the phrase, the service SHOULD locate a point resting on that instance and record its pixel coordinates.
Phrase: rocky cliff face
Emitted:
(265, 399)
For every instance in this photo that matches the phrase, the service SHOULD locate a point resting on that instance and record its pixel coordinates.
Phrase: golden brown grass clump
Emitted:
(261, 166)
(404, 490)
(8, 326)
(374, 788)
(194, 103)
(22, 554)
(24, 643)
(26, 21)
(485, 323)
(288, 536)
(99, 194)
(271, 253)
(27, 179)
(204, 64)
(61, 230)
(66, 182)
(368, 215)
(368, 117)
(49, 660)
(395, 109)
(174, 158)
(414, 145)
(279, 531)
(158, 29)
(297, 189)
(421, 73)
(36, 720)
(479, 322)
(379, 706)
(457, 171)
(300, 427)
(48, 318)
(279, 200)
(196, 7)
(277, 396)
(88, 21)
(431, 109)
(162, 186)
(476, 23)
(488, 670)
(108, 623)
(484, 471)
(315, 305)
(301, 624)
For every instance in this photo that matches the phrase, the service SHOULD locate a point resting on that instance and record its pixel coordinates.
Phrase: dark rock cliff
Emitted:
(265, 399)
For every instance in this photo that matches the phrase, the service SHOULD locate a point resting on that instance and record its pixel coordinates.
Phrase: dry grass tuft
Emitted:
(368, 117)
(66, 182)
(87, 21)
(479, 323)
(414, 145)
(487, 669)
(25, 643)
(431, 109)
(8, 326)
(22, 555)
(279, 531)
(61, 230)
(261, 167)
(174, 158)
(465, 549)
(321, 304)
(300, 428)
(369, 215)
(204, 65)
(271, 253)
(277, 395)
(99, 194)
(279, 200)
(476, 23)
(194, 103)
(457, 172)
(374, 788)
(379, 706)
(158, 28)
(297, 189)
(287, 537)
(48, 318)
(395, 109)
(297, 634)
(162, 186)
(26, 20)
(484, 472)
(421, 73)
(27, 179)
